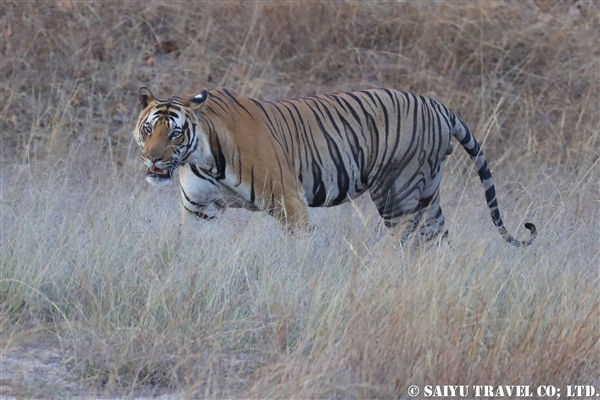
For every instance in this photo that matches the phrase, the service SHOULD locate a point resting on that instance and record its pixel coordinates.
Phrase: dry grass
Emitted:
(88, 254)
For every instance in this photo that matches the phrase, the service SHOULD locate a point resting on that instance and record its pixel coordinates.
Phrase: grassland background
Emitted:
(89, 261)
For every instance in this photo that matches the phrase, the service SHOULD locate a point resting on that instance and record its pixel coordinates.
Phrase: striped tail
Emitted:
(462, 133)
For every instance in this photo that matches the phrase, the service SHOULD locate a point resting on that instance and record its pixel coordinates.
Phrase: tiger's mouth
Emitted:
(158, 175)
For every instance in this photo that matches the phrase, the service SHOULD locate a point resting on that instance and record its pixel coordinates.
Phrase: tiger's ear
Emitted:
(196, 102)
(146, 96)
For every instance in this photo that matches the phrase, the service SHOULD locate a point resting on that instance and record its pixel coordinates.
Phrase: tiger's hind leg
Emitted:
(433, 222)
(427, 222)
(432, 219)
(416, 211)
(398, 211)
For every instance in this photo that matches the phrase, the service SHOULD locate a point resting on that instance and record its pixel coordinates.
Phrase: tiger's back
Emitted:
(343, 144)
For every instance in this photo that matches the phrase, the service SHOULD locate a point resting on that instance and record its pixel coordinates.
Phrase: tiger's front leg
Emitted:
(286, 203)
(200, 199)
(293, 214)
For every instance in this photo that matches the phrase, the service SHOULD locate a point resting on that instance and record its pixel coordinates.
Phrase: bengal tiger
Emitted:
(318, 151)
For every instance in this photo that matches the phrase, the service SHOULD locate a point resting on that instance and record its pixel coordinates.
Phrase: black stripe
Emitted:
(495, 214)
(465, 141)
(372, 131)
(191, 201)
(343, 181)
(484, 172)
(219, 102)
(296, 132)
(425, 201)
(282, 130)
(490, 194)
(218, 156)
(235, 100)
(199, 214)
(270, 124)
(197, 172)
(314, 158)
(356, 149)
(252, 193)
(305, 144)
(379, 181)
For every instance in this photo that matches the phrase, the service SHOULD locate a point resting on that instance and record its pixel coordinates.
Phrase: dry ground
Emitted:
(97, 298)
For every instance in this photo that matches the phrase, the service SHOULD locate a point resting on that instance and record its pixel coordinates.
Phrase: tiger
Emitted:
(282, 157)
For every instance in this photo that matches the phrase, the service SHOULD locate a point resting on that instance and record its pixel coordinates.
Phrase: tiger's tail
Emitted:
(462, 133)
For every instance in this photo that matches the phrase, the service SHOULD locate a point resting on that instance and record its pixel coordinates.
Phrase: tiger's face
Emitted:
(168, 133)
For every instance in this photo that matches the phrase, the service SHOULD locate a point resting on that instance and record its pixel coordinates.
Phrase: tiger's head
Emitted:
(169, 134)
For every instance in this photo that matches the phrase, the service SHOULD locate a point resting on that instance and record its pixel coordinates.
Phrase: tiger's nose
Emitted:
(154, 160)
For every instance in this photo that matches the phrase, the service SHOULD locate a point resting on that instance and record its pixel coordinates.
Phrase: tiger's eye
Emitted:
(176, 133)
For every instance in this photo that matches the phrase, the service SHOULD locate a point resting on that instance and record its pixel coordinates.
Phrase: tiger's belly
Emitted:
(327, 189)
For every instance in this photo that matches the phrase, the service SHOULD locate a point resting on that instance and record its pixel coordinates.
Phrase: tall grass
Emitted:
(91, 255)
(242, 309)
